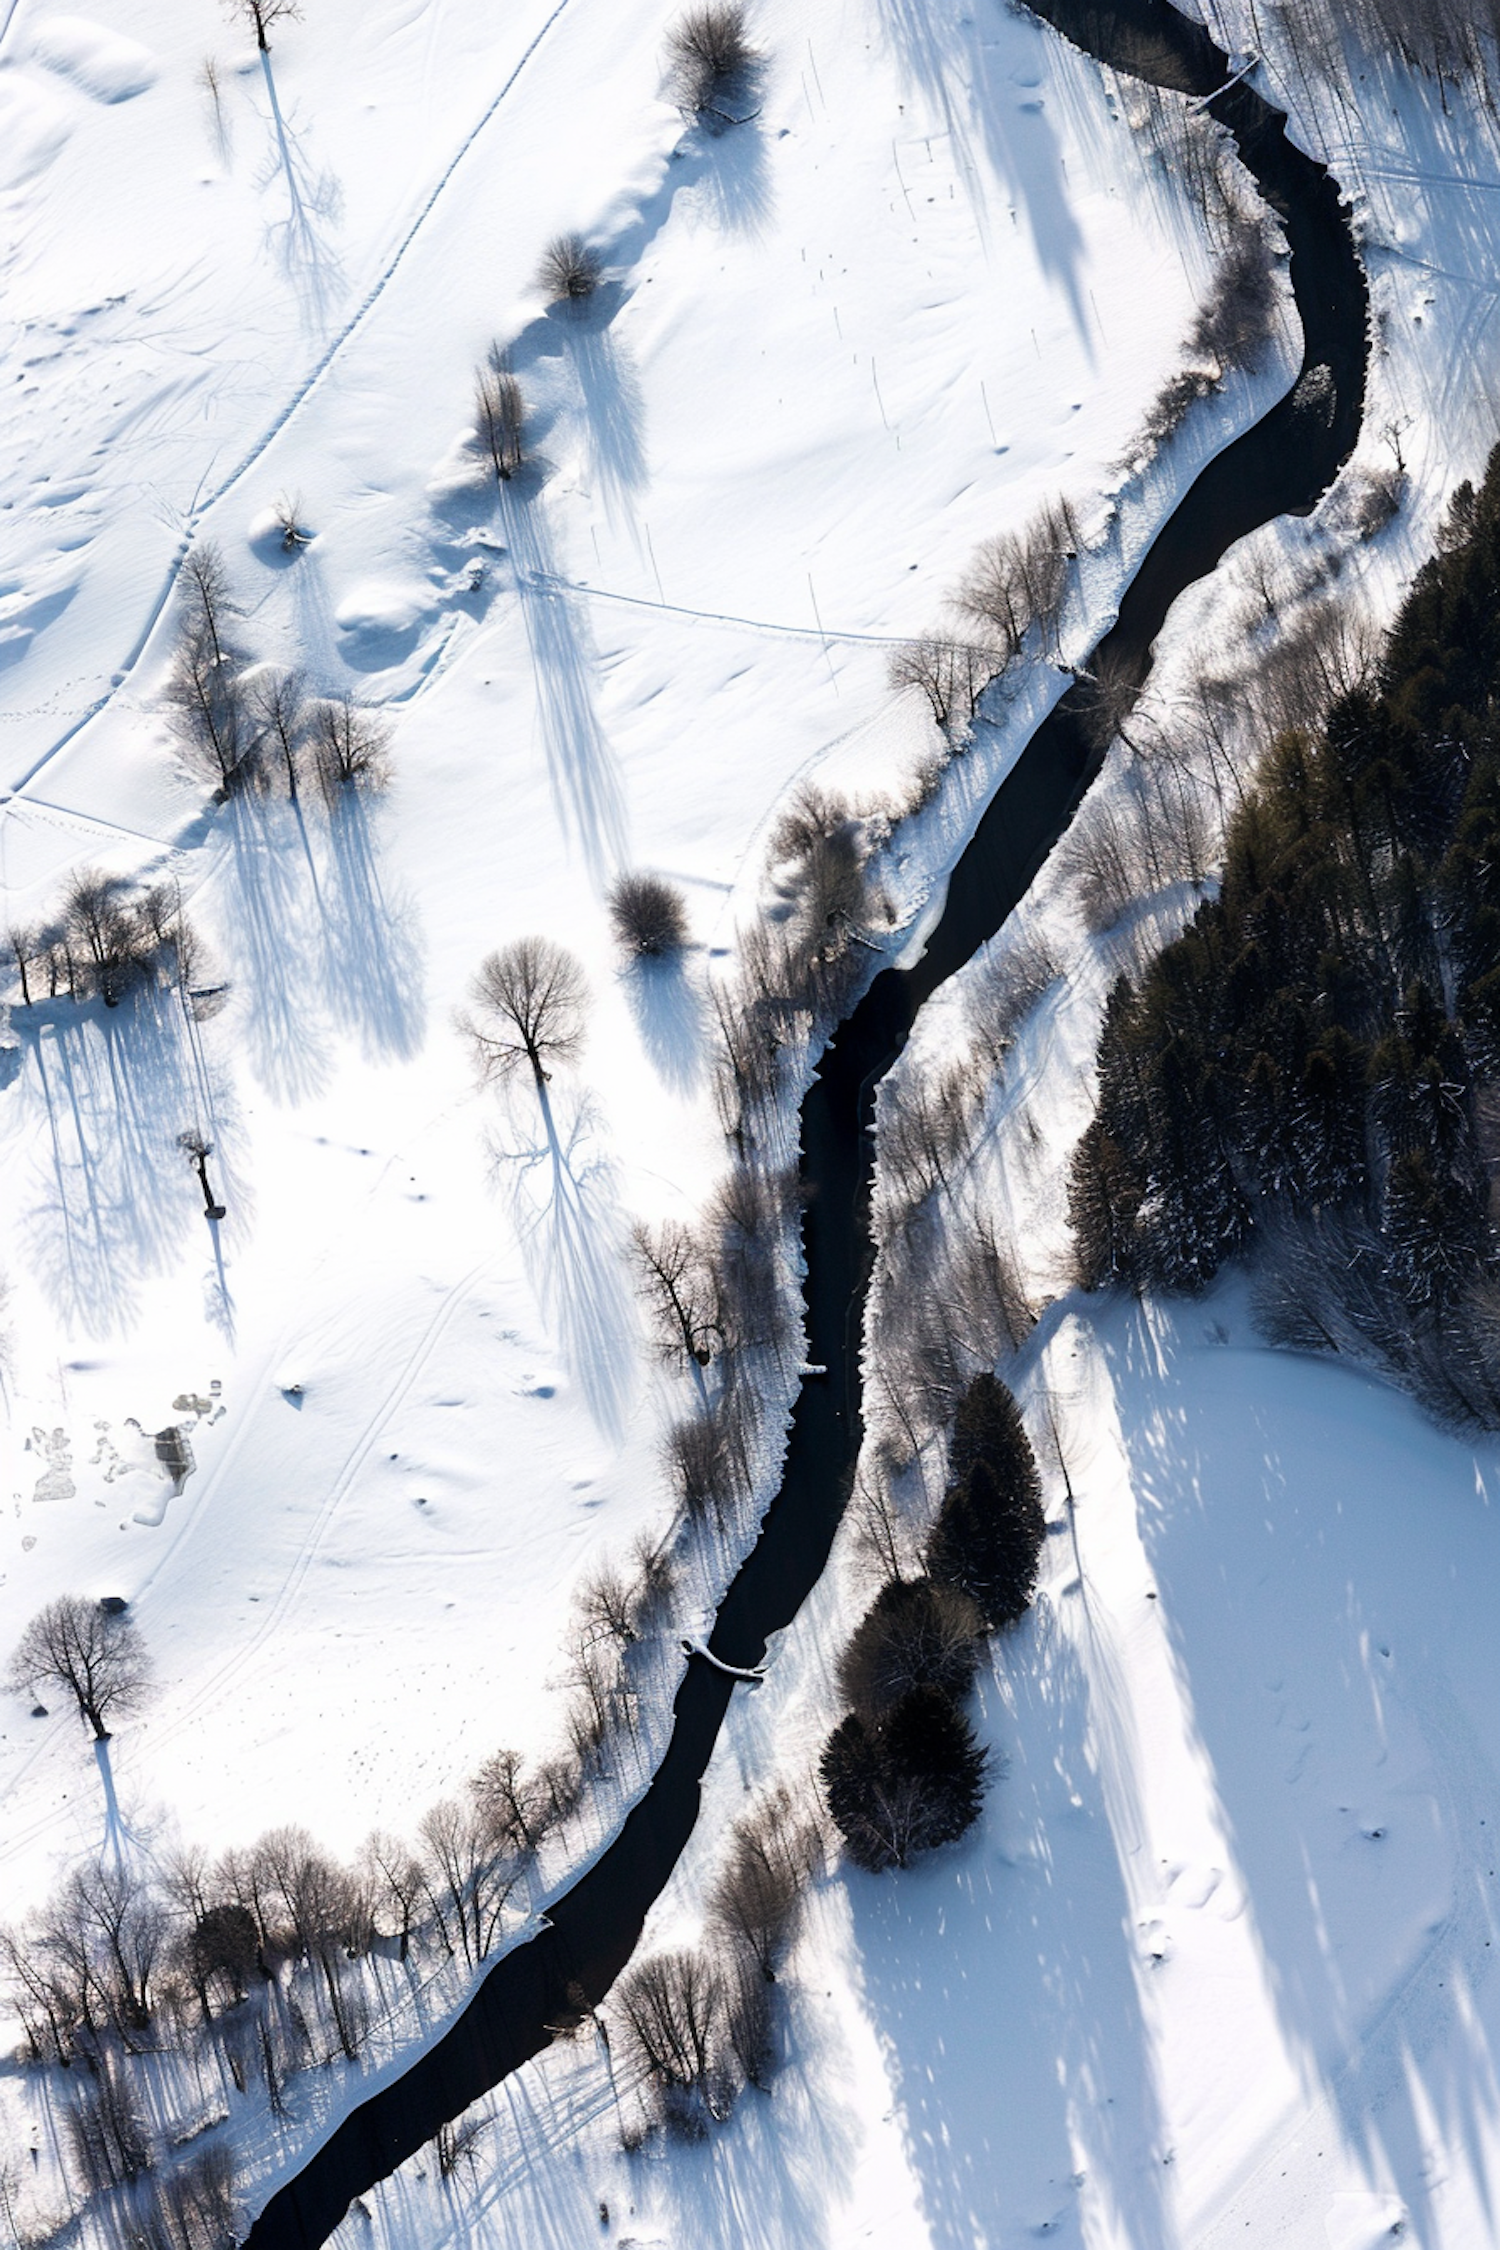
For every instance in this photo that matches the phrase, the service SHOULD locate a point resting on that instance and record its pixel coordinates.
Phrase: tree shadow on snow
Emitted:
(374, 963)
(585, 775)
(1003, 1991)
(567, 1219)
(118, 1202)
(670, 1018)
(996, 117)
(302, 240)
(273, 909)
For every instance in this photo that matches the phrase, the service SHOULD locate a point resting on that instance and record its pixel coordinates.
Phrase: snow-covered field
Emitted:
(937, 281)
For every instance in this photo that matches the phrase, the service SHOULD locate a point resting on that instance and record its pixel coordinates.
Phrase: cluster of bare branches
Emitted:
(699, 2021)
(713, 68)
(254, 1958)
(500, 413)
(1016, 583)
(1152, 831)
(244, 727)
(570, 269)
(529, 1001)
(649, 917)
(952, 675)
(107, 938)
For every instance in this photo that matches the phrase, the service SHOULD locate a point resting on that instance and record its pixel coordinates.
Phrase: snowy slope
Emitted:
(832, 353)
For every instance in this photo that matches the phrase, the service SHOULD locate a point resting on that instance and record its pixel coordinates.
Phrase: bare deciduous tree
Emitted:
(279, 714)
(97, 1655)
(712, 67)
(262, 17)
(529, 1001)
(773, 1854)
(208, 712)
(678, 1288)
(501, 413)
(350, 747)
(953, 676)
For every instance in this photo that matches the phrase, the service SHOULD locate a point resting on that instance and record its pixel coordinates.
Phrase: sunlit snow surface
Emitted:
(937, 281)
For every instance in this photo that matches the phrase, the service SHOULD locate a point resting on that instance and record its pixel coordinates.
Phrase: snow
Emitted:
(937, 283)
(1215, 1967)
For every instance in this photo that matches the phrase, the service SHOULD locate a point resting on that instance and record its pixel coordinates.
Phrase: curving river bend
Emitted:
(1281, 466)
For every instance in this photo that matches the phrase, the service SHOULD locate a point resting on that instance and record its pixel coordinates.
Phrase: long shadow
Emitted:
(302, 239)
(374, 961)
(585, 774)
(992, 119)
(119, 1203)
(671, 1019)
(272, 907)
(1282, 465)
(1006, 1996)
(567, 1219)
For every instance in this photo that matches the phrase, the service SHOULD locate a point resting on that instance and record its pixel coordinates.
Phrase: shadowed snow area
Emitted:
(1216, 1966)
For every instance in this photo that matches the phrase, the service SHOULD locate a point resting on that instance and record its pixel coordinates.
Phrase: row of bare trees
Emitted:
(246, 726)
(108, 937)
(699, 2021)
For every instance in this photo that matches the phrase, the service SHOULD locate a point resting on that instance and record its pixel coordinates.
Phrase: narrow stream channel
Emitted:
(1281, 466)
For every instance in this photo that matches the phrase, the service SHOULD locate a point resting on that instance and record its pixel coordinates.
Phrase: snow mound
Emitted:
(100, 63)
(33, 128)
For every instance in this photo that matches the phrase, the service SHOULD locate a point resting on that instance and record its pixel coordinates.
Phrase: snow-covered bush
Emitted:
(712, 67)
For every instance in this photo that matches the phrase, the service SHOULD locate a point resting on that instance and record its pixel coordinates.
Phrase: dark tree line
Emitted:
(1309, 1067)
(903, 1773)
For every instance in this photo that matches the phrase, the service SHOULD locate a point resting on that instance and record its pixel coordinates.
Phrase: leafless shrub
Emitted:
(603, 1603)
(707, 1457)
(458, 2142)
(288, 515)
(570, 269)
(745, 1217)
(1132, 843)
(1017, 581)
(350, 748)
(500, 412)
(653, 1584)
(1171, 406)
(106, 937)
(1006, 987)
(1375, 498)
(648, 916)
(925, 1127)
(1234, 327)
(195, 2201)
(756, 1900)
(673, 2007)
(754, 1040)
(529, 1001)
(712, 67)
(952, 675)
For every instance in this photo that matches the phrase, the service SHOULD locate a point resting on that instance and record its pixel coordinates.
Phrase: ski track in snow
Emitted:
(303, 391)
